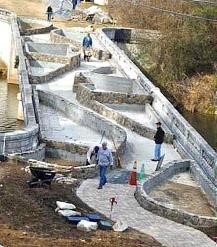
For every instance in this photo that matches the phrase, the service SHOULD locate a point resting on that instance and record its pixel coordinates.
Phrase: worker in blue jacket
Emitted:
(87, 46)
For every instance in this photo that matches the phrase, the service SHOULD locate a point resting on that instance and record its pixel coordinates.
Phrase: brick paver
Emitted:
(167, 232)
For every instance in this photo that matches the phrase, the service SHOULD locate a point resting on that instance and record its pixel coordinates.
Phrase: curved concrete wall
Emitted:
(188, 140)
(27, 139)
(204, 223)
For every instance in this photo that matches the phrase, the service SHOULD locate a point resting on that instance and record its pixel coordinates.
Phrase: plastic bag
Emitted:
(68, 212)
(87, 226)
(65, 205)
(120, 226)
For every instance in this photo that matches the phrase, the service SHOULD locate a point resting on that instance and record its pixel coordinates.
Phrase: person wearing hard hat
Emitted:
(105, 159)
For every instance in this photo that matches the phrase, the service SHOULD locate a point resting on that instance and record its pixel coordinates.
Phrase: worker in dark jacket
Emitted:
(158, 138)
(49, 13)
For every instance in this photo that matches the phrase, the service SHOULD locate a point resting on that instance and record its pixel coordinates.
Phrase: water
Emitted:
(8, 107)
(206, 125)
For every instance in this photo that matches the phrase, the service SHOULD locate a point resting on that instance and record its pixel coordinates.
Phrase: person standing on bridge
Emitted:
(87, 46)
(158, 138)
(104, 159)
(49, 13)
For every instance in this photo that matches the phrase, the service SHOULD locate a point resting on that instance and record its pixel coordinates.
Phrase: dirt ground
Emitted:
(36, 8)
(185, 197)
(27, 216)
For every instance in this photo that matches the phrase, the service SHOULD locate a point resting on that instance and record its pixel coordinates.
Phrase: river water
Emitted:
(206, 125)
(8, 107)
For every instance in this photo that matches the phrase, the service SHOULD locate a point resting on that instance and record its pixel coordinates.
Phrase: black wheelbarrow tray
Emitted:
(41, 176)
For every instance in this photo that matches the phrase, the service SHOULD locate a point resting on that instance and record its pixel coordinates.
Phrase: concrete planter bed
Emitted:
(41, 72)
(204, 223)
(31, 26)
(56, 53)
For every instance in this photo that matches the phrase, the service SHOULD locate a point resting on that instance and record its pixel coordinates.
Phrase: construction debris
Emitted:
(87, 226)
(120, 226)
(65, 205)
(67, 213)
(95, 14)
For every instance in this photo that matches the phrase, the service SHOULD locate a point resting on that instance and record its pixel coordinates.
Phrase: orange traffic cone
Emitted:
(133, 175)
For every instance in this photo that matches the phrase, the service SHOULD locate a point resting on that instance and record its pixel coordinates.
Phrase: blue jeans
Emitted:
(157, 150)
(49, 16)
(102, 175)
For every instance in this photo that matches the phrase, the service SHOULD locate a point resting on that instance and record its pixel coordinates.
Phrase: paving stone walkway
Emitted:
(167, 232)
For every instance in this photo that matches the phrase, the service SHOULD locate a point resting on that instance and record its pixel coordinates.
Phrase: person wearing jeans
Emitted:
(104, 159)
(49, 13)
(158, 138)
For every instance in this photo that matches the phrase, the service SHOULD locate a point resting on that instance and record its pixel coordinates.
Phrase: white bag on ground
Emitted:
(68, 212)
(120, 226)
(87, 226)
(65, 205)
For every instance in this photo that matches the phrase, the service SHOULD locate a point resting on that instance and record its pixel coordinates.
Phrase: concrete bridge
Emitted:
(67, 104)
(186, 139)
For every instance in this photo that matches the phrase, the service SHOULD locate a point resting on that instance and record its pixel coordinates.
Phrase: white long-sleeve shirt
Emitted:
(90, 152)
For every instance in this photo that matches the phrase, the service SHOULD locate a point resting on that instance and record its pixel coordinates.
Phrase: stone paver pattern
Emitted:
(167, 232)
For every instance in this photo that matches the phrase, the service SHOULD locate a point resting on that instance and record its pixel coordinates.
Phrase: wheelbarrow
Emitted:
(41, 176)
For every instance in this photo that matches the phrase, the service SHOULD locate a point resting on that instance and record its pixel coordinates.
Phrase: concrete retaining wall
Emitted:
(56, 54)
(39, 79)
(188, 138)
(37, 26)
(27, 139)
(37, 154)
(68, 151)
(204, 223)
(84, 87)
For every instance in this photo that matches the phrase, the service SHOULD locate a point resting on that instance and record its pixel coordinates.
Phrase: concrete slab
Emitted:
(56, 126)
(141, 149)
